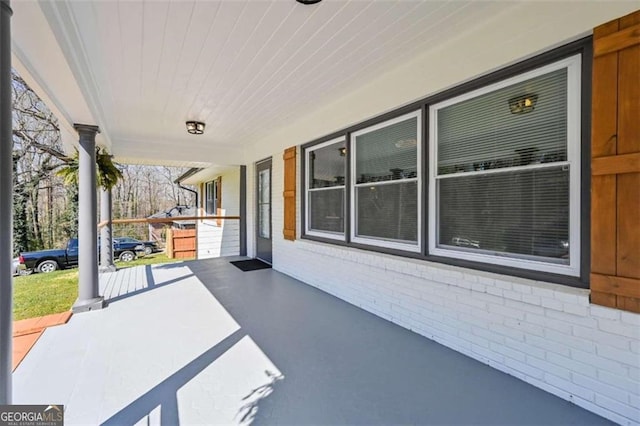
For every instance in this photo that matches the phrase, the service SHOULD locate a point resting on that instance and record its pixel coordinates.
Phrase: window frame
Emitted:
(383, 242)
(582, 47)
(573, 64)
(339, 236)
(211, 188)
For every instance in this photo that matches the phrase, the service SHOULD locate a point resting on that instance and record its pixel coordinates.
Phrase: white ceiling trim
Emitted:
(167, 163)
(143, 151)
(208, 174)
(65, 28)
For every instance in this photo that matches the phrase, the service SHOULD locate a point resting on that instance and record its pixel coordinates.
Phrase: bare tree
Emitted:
(37, 152)
(46, 210)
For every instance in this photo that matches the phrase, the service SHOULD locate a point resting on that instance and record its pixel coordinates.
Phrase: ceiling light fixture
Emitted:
(195, 127)
(523, 104)
(308, 1)
(406, 143)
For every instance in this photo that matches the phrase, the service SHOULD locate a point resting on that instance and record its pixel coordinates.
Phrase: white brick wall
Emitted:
(545, 334)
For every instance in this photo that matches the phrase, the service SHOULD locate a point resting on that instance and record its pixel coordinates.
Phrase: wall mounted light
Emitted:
(195, 127)
(523, 104)
(342, 151)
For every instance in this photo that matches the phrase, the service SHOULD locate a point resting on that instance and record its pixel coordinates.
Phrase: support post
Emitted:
(88, 291)
(106, 233)
(6, 206)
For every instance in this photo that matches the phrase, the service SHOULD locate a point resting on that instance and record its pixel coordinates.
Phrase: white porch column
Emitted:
(106, 233)
(88, 293)
(6, 206)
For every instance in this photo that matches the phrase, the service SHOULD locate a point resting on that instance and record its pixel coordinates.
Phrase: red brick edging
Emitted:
(27, 332)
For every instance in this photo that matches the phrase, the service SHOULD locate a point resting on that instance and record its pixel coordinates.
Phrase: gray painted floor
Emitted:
(205, 343)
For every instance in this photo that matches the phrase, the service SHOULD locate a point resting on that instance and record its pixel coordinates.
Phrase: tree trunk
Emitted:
(35, 216)
(69, 222)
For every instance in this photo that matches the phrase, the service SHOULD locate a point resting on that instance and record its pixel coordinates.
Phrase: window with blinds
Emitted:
(505, 171)
(385, 175)
(326, 173)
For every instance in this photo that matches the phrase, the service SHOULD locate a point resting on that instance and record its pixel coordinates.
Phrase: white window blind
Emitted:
(506, 170)
(386, 186)
(326, 172)
(483, 134)
(521, 213)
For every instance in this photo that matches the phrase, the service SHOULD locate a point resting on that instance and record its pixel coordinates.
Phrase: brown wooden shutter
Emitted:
(615, 165)
(289, 193)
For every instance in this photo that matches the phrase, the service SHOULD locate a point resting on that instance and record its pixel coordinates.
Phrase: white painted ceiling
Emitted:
(245, 68)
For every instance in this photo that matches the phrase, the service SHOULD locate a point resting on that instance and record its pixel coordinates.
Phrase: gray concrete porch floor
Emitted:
(204, 343)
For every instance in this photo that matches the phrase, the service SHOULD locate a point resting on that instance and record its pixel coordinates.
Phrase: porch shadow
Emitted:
(130, 282)
(164, 394)
(174, 265)
(248, 411)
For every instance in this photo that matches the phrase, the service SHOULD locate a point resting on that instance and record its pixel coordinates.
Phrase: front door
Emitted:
(263, 228)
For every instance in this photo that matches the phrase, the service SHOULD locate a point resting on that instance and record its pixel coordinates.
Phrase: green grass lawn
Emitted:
(152, 259)
(43, 294)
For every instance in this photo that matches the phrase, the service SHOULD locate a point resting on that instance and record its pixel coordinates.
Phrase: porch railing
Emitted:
(213, 236)
(165, 220)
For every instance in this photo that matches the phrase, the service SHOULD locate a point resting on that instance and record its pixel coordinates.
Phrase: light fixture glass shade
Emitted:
(523, 104)
(195, 127)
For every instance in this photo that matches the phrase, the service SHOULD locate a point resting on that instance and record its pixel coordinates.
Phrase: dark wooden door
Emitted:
(263, 214)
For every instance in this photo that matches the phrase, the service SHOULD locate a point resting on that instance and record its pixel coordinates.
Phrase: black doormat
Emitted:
(250, 265)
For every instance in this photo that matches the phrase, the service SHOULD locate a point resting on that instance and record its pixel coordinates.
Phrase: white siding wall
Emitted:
(223, 240)
(545, 334)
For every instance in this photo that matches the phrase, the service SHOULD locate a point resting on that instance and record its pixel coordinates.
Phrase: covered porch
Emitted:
(204, 343)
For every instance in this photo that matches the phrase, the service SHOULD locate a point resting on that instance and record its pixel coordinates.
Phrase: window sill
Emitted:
(508, 261)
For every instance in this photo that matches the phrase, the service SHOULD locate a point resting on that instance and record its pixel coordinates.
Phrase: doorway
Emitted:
(263, 216)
